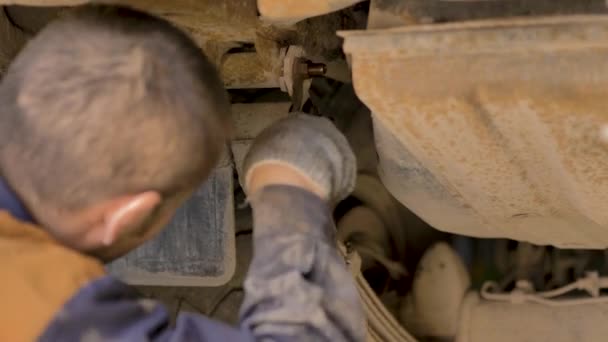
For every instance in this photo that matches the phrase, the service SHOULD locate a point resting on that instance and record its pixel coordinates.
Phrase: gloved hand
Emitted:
(310, 146)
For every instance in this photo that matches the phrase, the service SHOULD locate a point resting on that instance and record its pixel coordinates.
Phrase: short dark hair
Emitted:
(108, 101)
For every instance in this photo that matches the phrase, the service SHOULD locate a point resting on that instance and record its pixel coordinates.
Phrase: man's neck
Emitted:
(11, 203)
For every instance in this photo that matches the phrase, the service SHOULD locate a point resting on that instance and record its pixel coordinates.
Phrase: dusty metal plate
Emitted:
(493, 128)
(196, 248)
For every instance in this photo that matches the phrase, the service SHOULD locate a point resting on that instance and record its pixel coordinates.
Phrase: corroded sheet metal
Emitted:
(493, 128)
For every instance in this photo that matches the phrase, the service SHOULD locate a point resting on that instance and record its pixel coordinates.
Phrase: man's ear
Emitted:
(128, 213)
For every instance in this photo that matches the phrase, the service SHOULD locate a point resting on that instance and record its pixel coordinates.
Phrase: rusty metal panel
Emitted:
(493, 128)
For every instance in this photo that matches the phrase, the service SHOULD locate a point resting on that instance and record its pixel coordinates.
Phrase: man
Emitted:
(110, 119)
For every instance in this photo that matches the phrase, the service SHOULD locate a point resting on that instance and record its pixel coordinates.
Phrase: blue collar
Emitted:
(11, 203)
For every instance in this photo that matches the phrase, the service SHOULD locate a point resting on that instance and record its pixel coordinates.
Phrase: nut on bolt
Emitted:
(307, 69)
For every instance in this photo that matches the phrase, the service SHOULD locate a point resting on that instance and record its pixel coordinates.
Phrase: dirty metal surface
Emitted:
(206, 257)
(245, 49)
(231, 20)
(214, 29)
(247, 70)
(493, 128)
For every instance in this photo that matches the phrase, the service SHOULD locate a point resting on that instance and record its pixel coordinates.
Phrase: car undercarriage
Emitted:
(481, 134)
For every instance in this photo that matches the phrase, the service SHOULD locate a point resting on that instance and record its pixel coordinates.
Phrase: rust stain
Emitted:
(505, 117)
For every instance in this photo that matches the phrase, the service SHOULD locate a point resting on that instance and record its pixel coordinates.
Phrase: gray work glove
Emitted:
(311, 145)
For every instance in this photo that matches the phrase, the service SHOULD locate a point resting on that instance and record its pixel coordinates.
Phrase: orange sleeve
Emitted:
(38, 275)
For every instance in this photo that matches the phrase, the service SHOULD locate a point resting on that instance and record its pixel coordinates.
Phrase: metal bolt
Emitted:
(315, 69)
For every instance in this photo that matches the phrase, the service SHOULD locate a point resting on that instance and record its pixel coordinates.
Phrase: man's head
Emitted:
(109, 119)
